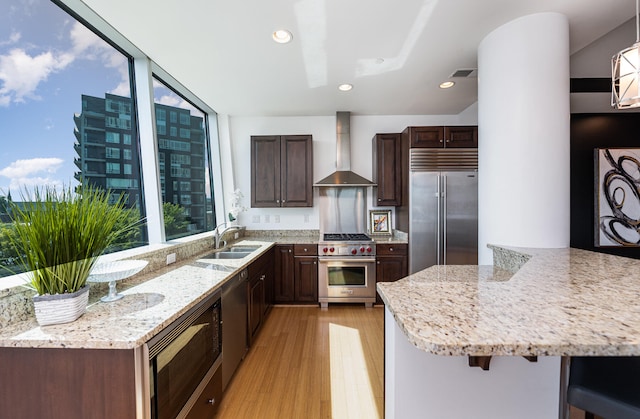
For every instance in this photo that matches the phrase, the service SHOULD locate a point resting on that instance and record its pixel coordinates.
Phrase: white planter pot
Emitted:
(61, 308)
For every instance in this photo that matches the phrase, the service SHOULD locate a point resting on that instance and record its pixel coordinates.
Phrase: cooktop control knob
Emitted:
(332, 250)
(354, 251)
(369, 249)
(362, 249)
(325, 249)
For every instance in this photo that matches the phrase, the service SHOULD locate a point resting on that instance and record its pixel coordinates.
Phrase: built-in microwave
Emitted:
(183, 360)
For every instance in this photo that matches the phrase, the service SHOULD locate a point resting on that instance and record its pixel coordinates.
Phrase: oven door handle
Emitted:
(348, 259)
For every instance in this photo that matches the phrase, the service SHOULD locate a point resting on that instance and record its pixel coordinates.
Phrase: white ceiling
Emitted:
(223, 52)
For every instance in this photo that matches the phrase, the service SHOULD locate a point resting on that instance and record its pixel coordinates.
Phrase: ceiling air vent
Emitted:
(465, 72)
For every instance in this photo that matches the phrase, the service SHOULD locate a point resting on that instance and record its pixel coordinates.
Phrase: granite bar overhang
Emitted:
(538, 302)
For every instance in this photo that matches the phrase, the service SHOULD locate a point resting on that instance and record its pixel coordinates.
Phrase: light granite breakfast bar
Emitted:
(520, 320)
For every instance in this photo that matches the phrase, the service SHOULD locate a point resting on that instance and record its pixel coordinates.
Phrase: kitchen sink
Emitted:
(241, 248)
(227, 255)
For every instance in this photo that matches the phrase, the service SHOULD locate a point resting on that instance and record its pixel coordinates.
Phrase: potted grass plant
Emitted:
(58, 235)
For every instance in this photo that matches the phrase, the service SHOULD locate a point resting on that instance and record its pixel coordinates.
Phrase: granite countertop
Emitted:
(146, 309)
(555, 302)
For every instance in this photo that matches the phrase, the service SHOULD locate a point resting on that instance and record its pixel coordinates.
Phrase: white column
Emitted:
(523, 123)
(149, 151)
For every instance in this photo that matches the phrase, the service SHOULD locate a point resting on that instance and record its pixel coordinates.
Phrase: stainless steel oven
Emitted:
(347, 271)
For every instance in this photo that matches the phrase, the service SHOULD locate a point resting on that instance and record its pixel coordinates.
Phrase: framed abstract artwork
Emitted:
(617, 197)
(380, 221)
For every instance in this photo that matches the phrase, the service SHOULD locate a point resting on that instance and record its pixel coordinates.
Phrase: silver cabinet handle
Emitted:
(391, 249)
(211, 401)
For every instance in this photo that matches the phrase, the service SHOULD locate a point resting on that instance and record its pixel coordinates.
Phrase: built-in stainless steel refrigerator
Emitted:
(442, 207)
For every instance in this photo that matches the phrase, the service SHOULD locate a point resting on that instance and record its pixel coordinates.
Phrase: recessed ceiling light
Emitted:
(282, 36)
(446, 84)
(345, 87)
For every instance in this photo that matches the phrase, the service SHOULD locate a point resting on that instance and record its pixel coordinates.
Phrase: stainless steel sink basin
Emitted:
(241, 248)
(227, 255)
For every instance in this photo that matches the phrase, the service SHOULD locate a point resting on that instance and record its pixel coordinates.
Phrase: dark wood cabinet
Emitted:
(296, 276)
(306, 273)
(259, 300)
(386, 169)
(283, 291)
(441, 137)
(281, 171)
(52, 383)
(461, 137)
(391, 263)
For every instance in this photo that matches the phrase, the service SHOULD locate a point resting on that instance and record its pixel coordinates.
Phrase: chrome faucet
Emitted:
(217, 235)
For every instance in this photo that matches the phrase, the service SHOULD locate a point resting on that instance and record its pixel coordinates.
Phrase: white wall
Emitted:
(323, 130)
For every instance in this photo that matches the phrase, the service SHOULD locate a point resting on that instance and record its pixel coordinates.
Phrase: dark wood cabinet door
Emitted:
(391, 263)
(265, 171)
(431, 137)
(461, 137)
(306, 279)
(387, 169)
(268, 271)
(281, 171)
(256, 305)
(283, 286)
(297, 171)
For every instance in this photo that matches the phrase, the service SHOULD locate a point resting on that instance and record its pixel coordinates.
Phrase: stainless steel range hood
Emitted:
(343, 176)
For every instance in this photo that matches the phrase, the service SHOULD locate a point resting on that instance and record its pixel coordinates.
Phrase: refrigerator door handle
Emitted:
(438, 223)
(444, 219)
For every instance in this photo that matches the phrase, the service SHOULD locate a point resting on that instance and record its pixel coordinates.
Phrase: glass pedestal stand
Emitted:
(115, 271)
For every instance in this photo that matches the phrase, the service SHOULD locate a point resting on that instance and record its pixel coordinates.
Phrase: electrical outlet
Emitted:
(306, 218)
(255, 219)
(236, 235)
(276, 218)
(267, 218)
(171, 258)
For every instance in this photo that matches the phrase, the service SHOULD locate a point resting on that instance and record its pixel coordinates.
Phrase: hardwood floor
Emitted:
(311, 363)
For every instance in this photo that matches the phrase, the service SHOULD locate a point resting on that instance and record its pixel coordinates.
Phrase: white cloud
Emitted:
(25, 175)
(21, 73)
(22, 169)
(28, 184)
(13, 38)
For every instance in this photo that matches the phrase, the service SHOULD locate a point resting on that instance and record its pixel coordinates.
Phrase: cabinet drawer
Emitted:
(305, 250)
(391, 249)
(207, 403)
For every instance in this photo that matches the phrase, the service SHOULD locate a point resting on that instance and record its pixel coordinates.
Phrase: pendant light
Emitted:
(625, 74)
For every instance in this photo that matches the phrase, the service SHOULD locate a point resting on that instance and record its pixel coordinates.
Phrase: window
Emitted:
(113, 168)
(180, 159)
(112, 137)
(181, 152)
(82, 102)
(112, 153)
(65, 93)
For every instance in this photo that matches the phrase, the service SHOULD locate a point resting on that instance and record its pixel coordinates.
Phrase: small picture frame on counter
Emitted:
(380, 222)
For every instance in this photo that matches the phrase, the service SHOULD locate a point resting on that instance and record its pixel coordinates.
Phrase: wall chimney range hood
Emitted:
(343, 176)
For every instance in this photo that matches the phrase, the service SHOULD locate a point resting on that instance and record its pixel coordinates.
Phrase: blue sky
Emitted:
(47, 61)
